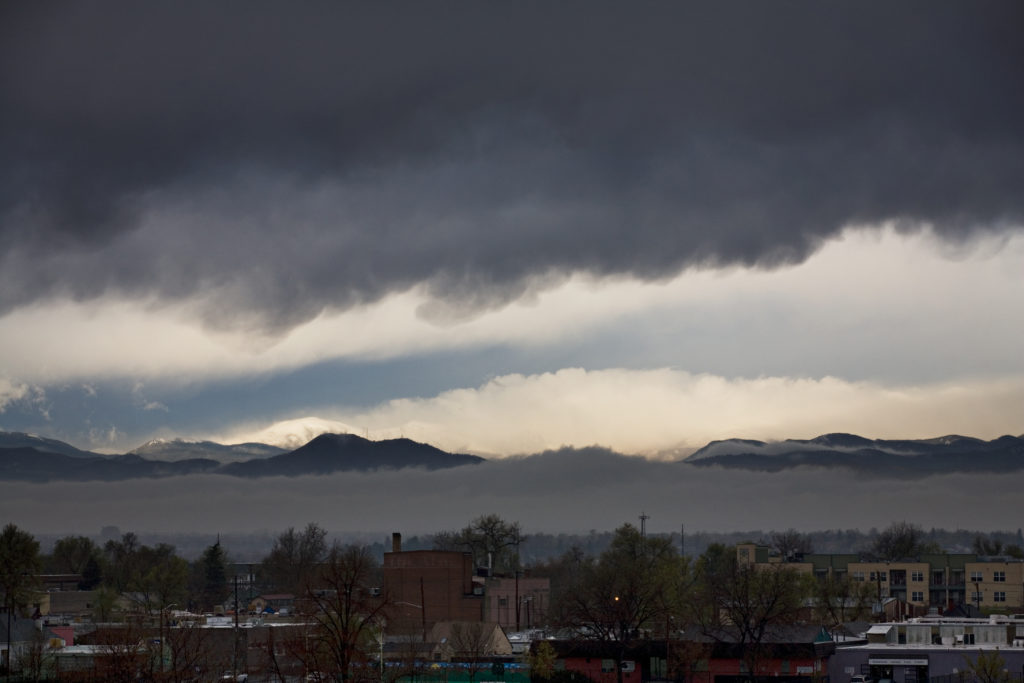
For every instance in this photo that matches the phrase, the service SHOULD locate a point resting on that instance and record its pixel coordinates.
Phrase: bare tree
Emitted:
(742, 603)
(902, 540)
(470, 643)
(190, 652)
(634, 585)
(346, 612)
(122, 652)
(839, 599)
(293, 560)
(492, 541)
(791, 543)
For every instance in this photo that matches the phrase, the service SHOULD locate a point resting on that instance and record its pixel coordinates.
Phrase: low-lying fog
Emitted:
(569, 491)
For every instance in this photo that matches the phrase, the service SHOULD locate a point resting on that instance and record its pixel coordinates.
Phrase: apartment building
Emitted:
(931, 580)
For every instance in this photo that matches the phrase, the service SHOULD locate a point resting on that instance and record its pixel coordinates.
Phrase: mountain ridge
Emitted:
(897, 458)
(50, 460)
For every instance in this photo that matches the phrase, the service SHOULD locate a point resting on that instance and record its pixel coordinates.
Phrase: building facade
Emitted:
(930, 581)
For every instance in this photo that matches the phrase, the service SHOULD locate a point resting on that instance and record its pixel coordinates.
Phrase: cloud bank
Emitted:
(669, 412)
(572, 491)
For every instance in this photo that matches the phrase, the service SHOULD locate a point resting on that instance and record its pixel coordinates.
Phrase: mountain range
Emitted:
(24, 457)
(880, 457)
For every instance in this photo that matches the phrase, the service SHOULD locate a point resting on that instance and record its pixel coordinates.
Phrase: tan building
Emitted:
(932, 580)
(996, 583)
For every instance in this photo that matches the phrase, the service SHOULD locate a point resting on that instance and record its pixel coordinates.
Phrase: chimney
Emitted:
(396, 542)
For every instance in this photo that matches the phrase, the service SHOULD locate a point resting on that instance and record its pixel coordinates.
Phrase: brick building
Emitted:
(428, 586)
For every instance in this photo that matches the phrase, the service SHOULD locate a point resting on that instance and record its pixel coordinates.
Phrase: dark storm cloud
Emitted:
(283, 158)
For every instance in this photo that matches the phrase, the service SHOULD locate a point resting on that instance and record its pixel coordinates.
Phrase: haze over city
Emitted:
(505, 229)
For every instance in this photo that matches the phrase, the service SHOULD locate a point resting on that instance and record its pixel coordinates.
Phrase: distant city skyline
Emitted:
(502, 229)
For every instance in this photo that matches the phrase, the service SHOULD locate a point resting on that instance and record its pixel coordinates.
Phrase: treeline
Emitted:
(156, 574)
(539, 547)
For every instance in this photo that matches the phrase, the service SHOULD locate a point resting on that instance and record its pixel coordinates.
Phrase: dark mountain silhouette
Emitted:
(328, 453)
(344, 452)
(23, 440)
(323, 455)
(30, 464)
(878, 457)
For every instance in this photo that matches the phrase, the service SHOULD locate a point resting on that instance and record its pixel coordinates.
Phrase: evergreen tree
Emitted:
(213, 568)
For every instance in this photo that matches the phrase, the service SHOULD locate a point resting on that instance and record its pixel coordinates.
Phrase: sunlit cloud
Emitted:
(669, 412)
(898, 291)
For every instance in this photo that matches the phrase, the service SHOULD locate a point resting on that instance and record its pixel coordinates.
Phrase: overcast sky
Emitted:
(507, 227)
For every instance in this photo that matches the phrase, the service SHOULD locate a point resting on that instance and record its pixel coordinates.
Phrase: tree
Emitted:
(988, 667)
(902, 540)
(346, 613)
(492, 541)
(470, 645)
(986, 546)
(72, 554)
(742, 603)
(293, 560)
(212, 576)
(790, 543)
(19, 566)
(542, 661)
(839, 599)
(635, 584)
(152, 577)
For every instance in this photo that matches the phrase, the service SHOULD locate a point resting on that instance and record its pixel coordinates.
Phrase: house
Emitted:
(468, 641)
(27, 639)
(273, 603)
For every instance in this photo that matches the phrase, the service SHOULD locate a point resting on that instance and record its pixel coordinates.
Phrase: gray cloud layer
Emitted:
(280, 159)
(559, 491)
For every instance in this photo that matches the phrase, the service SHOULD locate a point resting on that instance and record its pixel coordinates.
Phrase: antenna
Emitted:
(643, 524)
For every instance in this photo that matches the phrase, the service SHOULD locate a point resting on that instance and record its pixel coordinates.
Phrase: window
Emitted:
(999, 596)
(999, 576)
(880, 576)
(968, 639)
(976, 576)
(607, 666)
(917, 576)
(858, 576)
(977, 597)
(917, 596)
(503, 602)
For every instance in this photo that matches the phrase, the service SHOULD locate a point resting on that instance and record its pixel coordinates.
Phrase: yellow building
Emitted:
(996, 583)
(932, 580)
